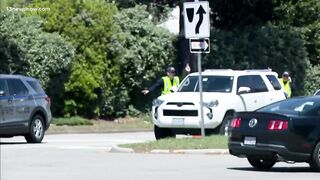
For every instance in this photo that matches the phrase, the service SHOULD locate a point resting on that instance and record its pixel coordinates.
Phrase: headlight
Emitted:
(211, 103)
(157, 102)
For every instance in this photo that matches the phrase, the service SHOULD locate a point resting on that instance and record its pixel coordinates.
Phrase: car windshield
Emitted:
(210, 84)
(299, 106)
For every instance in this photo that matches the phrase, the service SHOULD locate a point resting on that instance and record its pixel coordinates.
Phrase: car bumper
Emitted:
(184, 121)
(266, 150)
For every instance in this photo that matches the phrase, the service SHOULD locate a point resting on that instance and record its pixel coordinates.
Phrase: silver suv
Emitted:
(24, 108)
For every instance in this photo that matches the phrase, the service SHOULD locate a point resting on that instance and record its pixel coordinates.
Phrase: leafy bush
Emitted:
(94, 87)
(312, 80)
(26, 49)
(251, 47)
(146, 50)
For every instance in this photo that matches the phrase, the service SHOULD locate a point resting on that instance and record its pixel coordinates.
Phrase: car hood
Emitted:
(193, 97)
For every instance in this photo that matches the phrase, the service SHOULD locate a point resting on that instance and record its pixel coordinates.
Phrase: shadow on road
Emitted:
(278, 169)
(12, 143)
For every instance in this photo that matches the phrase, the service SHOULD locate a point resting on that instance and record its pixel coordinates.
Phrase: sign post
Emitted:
(197, 30)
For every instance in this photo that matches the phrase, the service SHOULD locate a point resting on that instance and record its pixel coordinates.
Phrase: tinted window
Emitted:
(36, 86)
(210, 84)
(258, 84)
(294, 107)
(17, 88)
(3, 86)
(254, 82)
(244, 81)
(274, 81)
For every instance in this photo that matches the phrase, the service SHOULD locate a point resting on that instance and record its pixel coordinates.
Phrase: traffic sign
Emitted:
(199, 45)
(196, 19)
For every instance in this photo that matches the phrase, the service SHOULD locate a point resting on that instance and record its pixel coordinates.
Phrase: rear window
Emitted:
(36, 86)
(300, 106)
(17, 88)
(274, 81)
(254, 82)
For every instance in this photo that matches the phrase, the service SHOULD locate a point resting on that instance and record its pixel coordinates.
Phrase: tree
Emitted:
(26, 49)
(255, 47)
(146, 51)
(89, 26)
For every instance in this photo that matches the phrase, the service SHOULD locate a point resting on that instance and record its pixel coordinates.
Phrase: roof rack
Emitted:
(258, 70)
(217, 70)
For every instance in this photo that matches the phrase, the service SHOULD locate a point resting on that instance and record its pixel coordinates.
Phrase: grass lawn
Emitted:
(80, 125)
(72, 121)
(209, 142)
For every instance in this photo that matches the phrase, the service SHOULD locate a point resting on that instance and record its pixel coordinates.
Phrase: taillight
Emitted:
(235, 122)
(278, 125)
(48, 99)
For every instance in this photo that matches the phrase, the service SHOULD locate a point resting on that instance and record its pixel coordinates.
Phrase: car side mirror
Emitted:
(243, 90)
(174, 89)
(2, 93)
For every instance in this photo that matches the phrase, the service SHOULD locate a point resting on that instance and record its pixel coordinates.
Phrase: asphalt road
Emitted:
(86, 156)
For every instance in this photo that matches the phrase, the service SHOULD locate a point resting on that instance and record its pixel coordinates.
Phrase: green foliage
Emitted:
(26, 49)
(72, 121)
(252, 47)
(158, 10)
(305, 15)
(146, 50)
(312, 80)
(94, 87)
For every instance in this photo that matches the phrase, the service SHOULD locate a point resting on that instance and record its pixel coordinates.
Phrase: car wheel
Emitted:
(36, 130)
(161, 133)
(262, 164)
(315, 161)
(224, 127)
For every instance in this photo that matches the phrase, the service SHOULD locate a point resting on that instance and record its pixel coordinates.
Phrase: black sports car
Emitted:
(287, 130)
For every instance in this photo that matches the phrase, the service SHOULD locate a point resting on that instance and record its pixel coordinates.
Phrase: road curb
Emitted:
(117, 149)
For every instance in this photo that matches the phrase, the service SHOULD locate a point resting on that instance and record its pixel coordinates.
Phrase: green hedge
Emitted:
(253, 47)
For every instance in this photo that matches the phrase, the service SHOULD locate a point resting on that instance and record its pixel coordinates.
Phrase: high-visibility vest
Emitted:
(286, 87)
(167, 85)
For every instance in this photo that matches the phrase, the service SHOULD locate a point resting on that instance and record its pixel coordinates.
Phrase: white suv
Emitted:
(224, 93)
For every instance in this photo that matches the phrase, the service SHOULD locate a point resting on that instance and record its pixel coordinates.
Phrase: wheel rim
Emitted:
(37, 128)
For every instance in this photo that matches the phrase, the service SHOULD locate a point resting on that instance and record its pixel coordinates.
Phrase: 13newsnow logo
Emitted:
(196, 19)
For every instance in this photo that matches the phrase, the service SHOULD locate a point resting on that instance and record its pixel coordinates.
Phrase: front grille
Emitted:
(180, 112)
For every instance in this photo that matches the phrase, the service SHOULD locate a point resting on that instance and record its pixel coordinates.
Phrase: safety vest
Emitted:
(167, 85)
(286, 87)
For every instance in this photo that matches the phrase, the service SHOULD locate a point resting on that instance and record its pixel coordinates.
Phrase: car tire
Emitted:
(261, 164)
(161, 133)
(315, 159)
(36, 130)
(224, 127)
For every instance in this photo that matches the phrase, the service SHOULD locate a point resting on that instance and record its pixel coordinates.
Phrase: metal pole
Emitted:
(201, 95)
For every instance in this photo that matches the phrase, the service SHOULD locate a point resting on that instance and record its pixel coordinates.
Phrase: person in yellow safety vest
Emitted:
(286, 83)
(166, 82)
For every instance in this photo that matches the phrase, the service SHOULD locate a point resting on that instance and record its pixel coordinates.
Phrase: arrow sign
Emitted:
(200, 45)
(200, 11)
(196, 19)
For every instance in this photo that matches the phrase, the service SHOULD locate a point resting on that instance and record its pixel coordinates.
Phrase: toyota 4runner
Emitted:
(224, 93)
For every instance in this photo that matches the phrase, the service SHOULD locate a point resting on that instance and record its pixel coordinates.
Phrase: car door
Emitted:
(22, 101)
(255, 98)
(7, 111)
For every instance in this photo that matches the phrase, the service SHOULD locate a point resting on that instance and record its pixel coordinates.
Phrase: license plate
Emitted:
(251, 141)
(178, 121)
